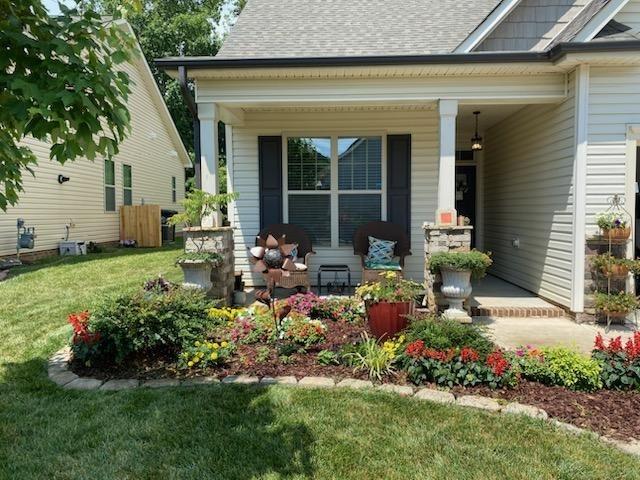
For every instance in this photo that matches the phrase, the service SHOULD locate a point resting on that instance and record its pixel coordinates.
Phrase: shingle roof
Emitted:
(339, 28)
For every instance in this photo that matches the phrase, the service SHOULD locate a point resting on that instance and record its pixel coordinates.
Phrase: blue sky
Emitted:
(52, 5)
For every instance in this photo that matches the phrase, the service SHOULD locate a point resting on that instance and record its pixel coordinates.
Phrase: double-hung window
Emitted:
(334, 185)
(127, 185)
(109, 186)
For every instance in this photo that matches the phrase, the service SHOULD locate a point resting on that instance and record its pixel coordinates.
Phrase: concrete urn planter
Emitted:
(197, 274)
(456, 288)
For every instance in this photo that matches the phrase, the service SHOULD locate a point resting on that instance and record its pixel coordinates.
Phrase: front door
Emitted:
(466, 194)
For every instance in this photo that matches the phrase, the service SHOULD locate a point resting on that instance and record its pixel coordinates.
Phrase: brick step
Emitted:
(518, 312)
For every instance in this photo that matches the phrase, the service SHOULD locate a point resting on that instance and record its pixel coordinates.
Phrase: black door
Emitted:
(466, 195)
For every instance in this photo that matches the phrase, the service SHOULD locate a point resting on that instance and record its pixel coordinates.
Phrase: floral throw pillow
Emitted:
(380, 251)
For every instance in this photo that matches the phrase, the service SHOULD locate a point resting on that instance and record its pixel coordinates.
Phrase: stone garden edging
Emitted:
(59, 373)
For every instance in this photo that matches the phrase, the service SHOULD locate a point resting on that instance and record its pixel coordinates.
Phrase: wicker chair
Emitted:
(383, 231)
(293, 234)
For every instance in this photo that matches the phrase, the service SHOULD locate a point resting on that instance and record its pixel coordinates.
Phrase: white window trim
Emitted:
(334, 192)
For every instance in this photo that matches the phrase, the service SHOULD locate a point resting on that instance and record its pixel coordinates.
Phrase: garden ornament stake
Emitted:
(274, 259)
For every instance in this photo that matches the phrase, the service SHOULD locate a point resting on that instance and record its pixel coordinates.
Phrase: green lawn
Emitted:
(236, 433)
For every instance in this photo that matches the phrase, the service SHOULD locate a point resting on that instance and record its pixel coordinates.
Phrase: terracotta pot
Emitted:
(615, 271)
(387, 319)
(617, 234)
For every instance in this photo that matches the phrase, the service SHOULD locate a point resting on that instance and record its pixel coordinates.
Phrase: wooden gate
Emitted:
(142, 224)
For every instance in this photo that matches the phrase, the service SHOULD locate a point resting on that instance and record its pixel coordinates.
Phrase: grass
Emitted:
(234, 432)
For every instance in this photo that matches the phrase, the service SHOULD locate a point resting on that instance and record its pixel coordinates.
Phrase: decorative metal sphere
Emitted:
(273, 258)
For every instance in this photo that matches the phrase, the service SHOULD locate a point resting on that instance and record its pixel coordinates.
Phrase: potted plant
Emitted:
(615, 305)
(197, 265)
(456, 269)
(614, 226)
(388, 302)
(613, 267)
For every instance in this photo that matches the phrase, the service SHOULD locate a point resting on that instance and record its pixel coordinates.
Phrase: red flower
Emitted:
(468, 354)
(615, 345)
(80, 324)
(499, 365)
(599, 343)
(415, 349)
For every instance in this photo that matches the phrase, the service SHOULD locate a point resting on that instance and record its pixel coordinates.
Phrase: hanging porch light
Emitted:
(476, 141)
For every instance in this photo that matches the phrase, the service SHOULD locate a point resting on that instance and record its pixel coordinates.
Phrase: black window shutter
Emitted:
(270, 180)
(399, 180)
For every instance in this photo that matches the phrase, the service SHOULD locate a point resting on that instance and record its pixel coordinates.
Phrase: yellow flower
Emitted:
(224, 344)
(196, 359)
(197, 344)
(200, 354)
(214, 355)
(190, 364)
(215, 346)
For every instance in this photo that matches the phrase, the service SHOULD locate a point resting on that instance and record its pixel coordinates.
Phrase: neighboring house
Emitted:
(557, 84)
(150, 169)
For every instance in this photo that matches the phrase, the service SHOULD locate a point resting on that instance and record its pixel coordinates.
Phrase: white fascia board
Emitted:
(150, 83)
(598, 22)
(489, 24)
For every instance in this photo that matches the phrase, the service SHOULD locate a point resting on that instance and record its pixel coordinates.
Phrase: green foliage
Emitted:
(328, 357)
(620, 364)
(606, 261)
(377, 360)
(560, 366)
(145, 321)
(209, 257)
(199, 204)
(475, 261)
(611, 220)
(620, 302)
(442, 334)
(390, 288)
(204, 354)
(263, 354)
(60, 82)
(301, 330)
(343, 309)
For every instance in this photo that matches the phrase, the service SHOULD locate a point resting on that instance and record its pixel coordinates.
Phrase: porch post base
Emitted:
(457, 314)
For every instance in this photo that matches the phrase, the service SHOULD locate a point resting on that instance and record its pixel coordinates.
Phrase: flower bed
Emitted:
(165, 331)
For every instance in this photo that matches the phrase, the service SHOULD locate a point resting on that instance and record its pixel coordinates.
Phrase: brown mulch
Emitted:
(612, 413)
(245, 361)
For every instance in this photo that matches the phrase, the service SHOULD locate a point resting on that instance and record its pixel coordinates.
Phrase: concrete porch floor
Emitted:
(514, 332)
(494, 297)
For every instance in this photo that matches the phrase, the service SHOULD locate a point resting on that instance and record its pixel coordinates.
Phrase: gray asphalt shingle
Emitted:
(340, 28)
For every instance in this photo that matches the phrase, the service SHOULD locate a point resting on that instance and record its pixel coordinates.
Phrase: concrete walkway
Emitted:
(514, 332)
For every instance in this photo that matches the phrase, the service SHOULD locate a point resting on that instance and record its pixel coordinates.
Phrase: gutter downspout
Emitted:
(193, 109)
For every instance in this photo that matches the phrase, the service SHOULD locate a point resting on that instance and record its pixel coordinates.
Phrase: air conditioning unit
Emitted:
(73, 247)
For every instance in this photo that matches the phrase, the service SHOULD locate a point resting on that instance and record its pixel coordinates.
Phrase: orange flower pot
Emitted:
(386, 319)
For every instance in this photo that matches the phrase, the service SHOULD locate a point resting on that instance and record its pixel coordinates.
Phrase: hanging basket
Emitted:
(615, 271)
(617, 234)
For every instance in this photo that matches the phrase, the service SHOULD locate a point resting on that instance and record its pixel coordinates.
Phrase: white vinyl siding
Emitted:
(614, 104)
(528, 196)
(532, 25)
(49, 206)
(630, 16)
(423, 127)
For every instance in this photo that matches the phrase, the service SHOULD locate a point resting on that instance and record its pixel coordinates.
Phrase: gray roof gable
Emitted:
(343, 28)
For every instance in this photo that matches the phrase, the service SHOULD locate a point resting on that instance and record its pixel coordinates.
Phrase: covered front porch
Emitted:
(517, 191)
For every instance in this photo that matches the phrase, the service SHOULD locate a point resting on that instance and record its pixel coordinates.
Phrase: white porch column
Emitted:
(580, 186)
(447, 169)
(208, 115)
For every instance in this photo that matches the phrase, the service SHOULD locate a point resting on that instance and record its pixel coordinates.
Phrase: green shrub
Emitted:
(476, 261)
(328, 357)
(143, 321)
(560, 366)
(442, 334)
